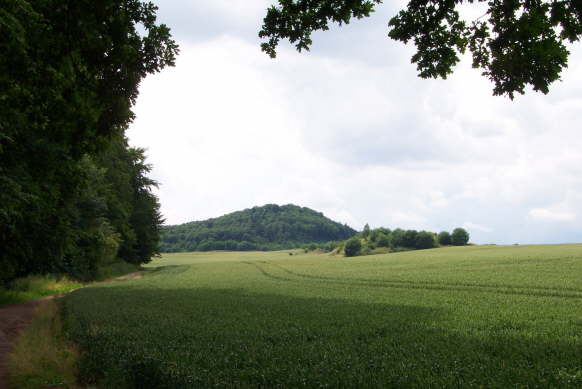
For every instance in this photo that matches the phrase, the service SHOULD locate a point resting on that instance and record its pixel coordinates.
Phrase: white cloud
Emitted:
(475, 226)
(438, 199)
(359, 139)
(544, 214)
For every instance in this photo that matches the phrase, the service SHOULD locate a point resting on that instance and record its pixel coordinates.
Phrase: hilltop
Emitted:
(270, 227)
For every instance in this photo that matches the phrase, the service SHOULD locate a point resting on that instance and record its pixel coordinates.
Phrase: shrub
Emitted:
(353, 247)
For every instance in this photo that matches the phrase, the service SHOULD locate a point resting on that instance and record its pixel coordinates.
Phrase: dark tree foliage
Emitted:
(132, 208)
(270, 227)
(444, 238)
(366, 231)
(425, 240)
(409, 238)
(69, 75)
(383, 240)
(517, 43)
(397, 238)
(459, 237)
(353, 247)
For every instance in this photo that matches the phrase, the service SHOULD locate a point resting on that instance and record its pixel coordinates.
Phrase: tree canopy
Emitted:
(72, 193)
(459, 237)
(516, 43)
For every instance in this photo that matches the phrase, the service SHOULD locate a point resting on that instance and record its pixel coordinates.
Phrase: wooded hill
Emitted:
(270, 227)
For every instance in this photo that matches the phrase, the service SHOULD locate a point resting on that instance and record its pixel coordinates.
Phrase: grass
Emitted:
(459, 317)
(42, 357)
(38, 286)
(35, 287)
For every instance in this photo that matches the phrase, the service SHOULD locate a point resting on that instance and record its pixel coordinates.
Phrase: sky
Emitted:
(350, 130)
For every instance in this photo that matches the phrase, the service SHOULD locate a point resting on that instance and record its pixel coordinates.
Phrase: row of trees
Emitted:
(368, 240)
(270, 227)
(73, 195)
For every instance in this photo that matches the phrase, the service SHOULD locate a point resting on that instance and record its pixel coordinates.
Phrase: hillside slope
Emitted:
(270, 227)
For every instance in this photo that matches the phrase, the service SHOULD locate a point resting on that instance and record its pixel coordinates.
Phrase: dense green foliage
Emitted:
(71, 191)
(270, 227)
(425, 240)
(381, 240)
(444, 238)
(459, 237)
(456, 317)
(352, 247)
(516, 43)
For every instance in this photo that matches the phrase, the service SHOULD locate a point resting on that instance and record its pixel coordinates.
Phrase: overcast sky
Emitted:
(349, 129)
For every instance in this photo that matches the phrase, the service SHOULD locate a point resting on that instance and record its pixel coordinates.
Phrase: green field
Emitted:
(482, 316)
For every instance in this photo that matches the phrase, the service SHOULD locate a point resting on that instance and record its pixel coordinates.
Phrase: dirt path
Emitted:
(15, 317)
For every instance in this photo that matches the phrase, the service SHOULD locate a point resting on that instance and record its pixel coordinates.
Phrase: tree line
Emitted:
(372, 241)
(270, 227)
(73, 195)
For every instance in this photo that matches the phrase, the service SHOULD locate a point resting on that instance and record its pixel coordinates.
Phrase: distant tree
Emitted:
(409, 238)
(459, 237)
(366, 231)
(330, 246)
(425, 240)
(206, 245)
(385, 231)
(231, 245)
(444, 238)
(397, 238)
(517, 43)
(383, 240)
(353, 247)
(244, 246)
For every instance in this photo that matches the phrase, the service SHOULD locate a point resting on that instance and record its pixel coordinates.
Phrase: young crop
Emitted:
(457, 317)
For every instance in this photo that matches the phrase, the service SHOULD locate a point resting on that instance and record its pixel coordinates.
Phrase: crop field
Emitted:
(462, 317)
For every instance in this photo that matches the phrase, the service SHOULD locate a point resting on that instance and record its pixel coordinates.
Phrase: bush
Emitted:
(353, 247)
(366, 250)
(459, 237)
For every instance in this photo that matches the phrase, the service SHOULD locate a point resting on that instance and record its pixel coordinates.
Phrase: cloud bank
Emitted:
(350, 130)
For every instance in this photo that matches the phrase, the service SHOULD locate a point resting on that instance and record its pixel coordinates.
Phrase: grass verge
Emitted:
(42, 357)
(38, 286)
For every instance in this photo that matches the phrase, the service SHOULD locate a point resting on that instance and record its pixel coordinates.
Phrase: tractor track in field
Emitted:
(14, 318)
(530, 291)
